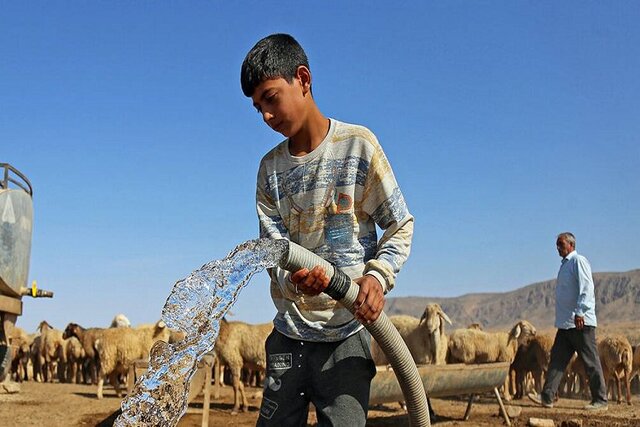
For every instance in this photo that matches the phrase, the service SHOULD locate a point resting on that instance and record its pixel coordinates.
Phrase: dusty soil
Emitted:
(56, 404)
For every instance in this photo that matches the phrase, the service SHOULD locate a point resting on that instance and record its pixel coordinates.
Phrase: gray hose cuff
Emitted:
(339, 285)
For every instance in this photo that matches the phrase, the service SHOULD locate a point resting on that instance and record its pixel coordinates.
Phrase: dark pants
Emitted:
(334, 376)
(566, 343)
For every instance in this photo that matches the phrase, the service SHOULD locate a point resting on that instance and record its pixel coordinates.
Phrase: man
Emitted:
(576, 323)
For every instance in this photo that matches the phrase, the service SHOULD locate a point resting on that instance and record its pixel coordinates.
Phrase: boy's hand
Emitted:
(370, 300)
(310, 282)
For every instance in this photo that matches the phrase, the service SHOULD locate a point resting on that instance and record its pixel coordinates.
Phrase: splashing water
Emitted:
(195, 306)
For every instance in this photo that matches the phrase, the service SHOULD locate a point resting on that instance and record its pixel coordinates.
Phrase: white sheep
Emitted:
(425, 337)
(118, 348)
(475, 346)
(51, 350)
(241, 345)
(616, 358)
(120, 321)
(37, 351)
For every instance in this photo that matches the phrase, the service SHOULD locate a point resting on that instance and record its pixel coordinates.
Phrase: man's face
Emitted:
(281, 105)
(564, 247)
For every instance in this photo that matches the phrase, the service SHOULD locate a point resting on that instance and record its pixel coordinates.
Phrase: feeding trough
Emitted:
(445, 381)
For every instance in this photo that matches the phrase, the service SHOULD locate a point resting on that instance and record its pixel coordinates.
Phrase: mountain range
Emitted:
(617, 301)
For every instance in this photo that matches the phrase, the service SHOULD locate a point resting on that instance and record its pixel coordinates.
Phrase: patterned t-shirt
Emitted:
(329, 201)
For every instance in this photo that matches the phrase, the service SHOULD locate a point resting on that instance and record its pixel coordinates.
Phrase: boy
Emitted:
(325, 187)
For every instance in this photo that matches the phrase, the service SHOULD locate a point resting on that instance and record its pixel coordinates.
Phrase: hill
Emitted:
(617, 301)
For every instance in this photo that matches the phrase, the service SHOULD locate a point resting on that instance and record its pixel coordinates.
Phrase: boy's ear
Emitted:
(303, 74)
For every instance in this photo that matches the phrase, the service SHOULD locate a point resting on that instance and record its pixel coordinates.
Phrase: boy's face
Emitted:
(282, 104)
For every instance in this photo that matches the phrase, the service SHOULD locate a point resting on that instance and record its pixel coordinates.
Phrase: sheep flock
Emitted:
(91, 355)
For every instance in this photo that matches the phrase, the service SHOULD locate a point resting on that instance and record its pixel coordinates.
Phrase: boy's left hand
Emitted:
(370, 300)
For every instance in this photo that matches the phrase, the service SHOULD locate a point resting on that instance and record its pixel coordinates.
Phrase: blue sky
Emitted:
(505, 122)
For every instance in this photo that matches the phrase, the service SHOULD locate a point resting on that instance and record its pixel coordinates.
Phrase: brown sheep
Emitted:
(541, 352)
(636, 362)
(520, 368)
(87, 338)
(575, 379)
(20, 349)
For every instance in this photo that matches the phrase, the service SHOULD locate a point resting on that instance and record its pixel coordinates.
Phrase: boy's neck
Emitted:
(311, 135)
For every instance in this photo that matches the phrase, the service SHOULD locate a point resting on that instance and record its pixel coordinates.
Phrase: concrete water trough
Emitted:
(445, 381)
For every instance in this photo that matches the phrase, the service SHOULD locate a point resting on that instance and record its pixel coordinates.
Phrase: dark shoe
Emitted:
(537, 398)
(597, 406)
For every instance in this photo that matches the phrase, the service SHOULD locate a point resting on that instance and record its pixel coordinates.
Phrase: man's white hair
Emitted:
(569, 237)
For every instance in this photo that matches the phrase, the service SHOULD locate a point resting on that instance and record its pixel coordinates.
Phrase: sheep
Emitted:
(120, 321)
(75, 356)
(51, 350)
(531, 362)
(636, 363)
(519, 369)
(575, 379)
(425, 337)
(473, 346)
(87, 338)
(37, 351)
(241, 345)
(37, 361)
(616, 358)
(20, 349)
(118, 348)
(541, 357)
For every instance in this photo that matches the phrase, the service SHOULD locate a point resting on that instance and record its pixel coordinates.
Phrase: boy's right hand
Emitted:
(311, 282)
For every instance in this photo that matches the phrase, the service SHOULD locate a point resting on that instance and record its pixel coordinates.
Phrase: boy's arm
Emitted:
(269, 219)
(270, 222)
(271, 226)
(386, 205)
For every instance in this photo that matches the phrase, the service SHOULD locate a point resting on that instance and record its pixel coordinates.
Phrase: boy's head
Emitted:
(277, 55)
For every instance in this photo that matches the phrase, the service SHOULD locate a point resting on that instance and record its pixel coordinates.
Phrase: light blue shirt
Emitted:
(575, 292)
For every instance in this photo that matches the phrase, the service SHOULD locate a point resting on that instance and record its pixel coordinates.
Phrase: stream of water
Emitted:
(195, 306)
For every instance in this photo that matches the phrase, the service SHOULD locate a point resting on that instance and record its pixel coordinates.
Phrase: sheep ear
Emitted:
(445, 317)
(517, 331)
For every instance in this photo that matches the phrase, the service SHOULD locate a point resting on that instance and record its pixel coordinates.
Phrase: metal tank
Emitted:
(16, 224)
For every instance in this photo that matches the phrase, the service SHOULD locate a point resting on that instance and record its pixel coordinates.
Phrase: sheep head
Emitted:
(161, 331)
(43, 326)
(522, 330)
(72, 330)
(433, 316)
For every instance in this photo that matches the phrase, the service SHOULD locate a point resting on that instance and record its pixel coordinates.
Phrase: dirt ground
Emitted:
(56, 404)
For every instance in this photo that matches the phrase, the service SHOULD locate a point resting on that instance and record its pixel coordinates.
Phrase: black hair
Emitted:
(277, 55)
